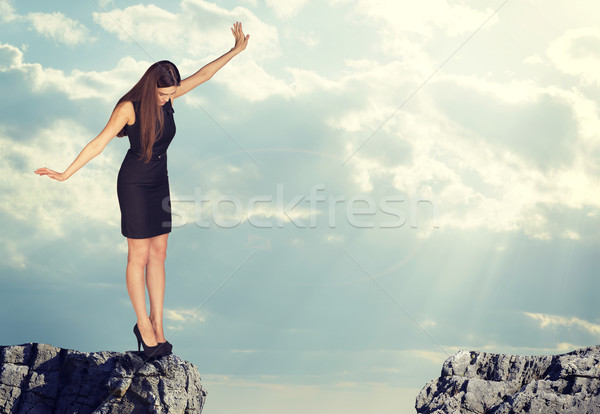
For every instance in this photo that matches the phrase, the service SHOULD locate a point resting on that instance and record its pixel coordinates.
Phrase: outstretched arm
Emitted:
(120, 116)
(207, 71)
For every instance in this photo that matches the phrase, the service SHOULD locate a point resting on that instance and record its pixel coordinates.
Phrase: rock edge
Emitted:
(479, 382)
(40, 378)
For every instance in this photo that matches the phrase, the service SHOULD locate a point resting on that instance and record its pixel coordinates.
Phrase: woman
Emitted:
(145, 114)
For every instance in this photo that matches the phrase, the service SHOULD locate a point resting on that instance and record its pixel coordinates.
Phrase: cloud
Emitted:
(11, 57)
(140, 22)
(474, 180)
(554, 321)
(285, 9)
(484, 175)
(200, 29)
(106, 85)
(214, 208)
(251, 82)
(52, 207)
(54, 25)
(182, 316)
(310, 39)
(421, 18)
(576, 53)
(436, 357)
(7, 11)
(197, 29)
(59, 27)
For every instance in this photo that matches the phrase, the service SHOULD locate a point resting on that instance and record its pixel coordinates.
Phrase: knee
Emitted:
(137, 258)
(158, 253)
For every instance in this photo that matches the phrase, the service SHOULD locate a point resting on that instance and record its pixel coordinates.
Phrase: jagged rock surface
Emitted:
(41, 379)
(478, 382)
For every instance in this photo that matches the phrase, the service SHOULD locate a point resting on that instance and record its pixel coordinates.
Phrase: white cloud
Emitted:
(423, 17)
(7, 11)
(474, 181)
(533, 60)
(141, 22)
(107, 85)
(181, 316)
(308, 81)
(285, 9)
(511, 193)
(198, 29)
(576, 53)
(11, 57)
(334, 238)
(59, 27)
(512, 92)
(50, 206)
(55, 25)
(310, 39)
(244, 351)
(436, 357)
(553, 321)
(226, 210)
(251, 82)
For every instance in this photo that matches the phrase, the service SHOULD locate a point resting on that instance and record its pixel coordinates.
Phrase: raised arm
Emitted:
(121, 115)
(207, 71)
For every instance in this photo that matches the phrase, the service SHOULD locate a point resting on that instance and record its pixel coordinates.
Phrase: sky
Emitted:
(368, 188)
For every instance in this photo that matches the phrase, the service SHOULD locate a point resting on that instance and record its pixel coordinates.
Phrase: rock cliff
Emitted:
(478, 382)
(41, 379)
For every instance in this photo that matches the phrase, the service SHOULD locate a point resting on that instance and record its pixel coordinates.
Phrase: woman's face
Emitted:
(164, 94)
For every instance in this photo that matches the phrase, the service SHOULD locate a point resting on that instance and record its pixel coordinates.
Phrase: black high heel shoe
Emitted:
(166, 347)
(149, 351)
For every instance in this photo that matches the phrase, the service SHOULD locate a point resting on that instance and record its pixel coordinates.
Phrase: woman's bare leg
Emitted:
(137, 259)
(155, 280)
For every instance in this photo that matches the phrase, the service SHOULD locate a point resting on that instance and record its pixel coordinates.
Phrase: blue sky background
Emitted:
(465, 217)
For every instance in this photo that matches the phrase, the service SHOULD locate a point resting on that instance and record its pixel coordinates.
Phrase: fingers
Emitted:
(237, 29)
(47, 171)
(240, 39)
(43, 171)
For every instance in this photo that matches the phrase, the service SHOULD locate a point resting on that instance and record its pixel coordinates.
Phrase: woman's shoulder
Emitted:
(127, 110)
(125, 105)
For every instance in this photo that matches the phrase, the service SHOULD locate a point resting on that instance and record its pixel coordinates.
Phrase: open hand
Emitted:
(51, 173)
(240, 40)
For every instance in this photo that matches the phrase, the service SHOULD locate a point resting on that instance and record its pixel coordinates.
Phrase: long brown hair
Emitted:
(161, 74)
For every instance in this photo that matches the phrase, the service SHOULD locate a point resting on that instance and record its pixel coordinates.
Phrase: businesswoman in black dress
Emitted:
(145, 115)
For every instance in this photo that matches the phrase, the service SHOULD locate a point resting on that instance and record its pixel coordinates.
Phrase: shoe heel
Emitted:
(151, 352)
(138, 336)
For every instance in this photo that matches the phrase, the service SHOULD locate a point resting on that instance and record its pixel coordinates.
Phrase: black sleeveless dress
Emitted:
(143, 188)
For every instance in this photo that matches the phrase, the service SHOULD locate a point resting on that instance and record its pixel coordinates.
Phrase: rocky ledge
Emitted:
(41, 379)
(478, 382)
